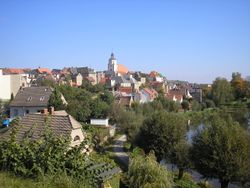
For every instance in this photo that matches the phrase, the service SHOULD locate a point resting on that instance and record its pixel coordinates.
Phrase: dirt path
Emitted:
(121, 156)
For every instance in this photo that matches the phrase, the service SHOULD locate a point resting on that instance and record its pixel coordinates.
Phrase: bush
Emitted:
(146, 172)
(50, 155)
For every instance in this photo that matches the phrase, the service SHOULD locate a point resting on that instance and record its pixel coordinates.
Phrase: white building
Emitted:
(112, 65)
(10, 84)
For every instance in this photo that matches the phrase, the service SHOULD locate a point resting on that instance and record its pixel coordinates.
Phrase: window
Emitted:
(42, 98)
(76, 138)
(29, 98)
(27, 111)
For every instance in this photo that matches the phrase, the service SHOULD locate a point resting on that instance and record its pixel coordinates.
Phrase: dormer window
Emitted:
(29, 98)
(42, 98)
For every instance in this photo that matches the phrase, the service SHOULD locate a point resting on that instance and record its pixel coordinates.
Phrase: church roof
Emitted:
(122, 69)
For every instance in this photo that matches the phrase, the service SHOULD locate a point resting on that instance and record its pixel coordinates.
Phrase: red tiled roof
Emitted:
(13, 71)
(43, 70)
(174, 93)
(153, 94)
(156, 83)
(153, 74)
(122, 69)
(127, 90)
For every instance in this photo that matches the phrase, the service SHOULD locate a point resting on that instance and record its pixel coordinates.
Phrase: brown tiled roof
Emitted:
(34, 125)
(32, 96)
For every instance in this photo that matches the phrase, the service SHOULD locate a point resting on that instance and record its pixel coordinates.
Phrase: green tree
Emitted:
(165, 134)
(238, 85)
(145, 172)
(221, 91)
(221, 150)
(55, 100)
(196, 106)
(185, 105)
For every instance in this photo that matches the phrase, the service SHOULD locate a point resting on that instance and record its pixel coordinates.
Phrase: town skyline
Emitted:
(195, 42)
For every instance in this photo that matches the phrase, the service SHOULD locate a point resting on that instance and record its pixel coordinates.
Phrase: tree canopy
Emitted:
(221, 91)
(145, 172)
(221, 150)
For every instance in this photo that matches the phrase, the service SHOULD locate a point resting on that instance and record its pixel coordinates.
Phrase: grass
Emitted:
(8, 180)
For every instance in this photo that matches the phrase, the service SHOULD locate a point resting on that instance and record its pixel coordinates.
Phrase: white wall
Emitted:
(104, 122)
(74, 133)
(5, 87)
(21, 111)
(11, 84)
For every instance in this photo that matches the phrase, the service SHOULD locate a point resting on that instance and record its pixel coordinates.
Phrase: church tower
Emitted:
(112, 66)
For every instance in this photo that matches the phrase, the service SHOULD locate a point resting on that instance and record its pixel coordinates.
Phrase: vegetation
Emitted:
(50, 156)
(165, 134)
(221, 91)
(8, 180)
(55, 100)
(145, 172)
(222, 150)
(87, 102)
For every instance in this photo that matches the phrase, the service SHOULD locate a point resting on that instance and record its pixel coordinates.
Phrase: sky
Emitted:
(192, 40)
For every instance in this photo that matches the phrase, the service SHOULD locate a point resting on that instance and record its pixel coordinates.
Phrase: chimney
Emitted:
(51, 110)
(44, 111)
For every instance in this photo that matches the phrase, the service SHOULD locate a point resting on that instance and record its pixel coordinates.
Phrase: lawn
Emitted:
(8, 180)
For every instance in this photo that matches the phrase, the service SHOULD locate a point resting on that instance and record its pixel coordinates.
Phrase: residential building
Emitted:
(30, 100)
(175, 95)
(59, 122)
(77, 79)
(10, 84)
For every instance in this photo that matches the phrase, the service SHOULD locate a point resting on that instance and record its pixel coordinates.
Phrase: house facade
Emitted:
(10, 84)
(30, 100)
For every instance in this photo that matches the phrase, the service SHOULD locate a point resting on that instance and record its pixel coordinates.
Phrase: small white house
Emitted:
(101, 122)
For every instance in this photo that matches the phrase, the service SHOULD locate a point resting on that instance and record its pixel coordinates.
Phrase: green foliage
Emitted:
(145, 172)
(185, 105)
(46, 82)
(221, 150)
(239, 86)
(165, 134)
(50, 155)
(221, 91)
(196, 106)
(55, 100)
(209, 103)
(87, 102)
(8, 180)
(129, 122)
(160, 132)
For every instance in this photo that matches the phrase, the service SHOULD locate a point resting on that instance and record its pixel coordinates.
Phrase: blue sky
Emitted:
(193, 40)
